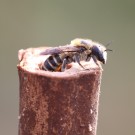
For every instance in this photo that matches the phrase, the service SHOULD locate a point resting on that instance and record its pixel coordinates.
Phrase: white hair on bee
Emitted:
(82, 42)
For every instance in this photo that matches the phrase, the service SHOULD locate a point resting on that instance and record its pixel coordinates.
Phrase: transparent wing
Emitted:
(60, 49)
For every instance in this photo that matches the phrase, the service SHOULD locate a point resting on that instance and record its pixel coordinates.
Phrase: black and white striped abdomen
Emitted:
(52, 63)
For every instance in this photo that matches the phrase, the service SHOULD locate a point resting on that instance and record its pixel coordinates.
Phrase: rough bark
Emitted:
(57, 103)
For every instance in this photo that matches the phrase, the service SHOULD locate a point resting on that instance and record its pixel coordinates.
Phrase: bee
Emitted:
(78, 50)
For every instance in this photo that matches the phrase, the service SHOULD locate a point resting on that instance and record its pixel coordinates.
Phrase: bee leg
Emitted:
(88, 58)
(97, 63)
(77, 59)
(63, 67)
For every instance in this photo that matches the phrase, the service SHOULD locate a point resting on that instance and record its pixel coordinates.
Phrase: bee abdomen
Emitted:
(52, 63)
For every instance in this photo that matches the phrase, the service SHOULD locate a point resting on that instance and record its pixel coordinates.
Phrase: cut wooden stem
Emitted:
(57, 103)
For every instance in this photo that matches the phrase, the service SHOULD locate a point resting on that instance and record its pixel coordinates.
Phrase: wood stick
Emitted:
(57, 103)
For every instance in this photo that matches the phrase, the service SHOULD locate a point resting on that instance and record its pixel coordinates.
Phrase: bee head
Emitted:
(100, 52)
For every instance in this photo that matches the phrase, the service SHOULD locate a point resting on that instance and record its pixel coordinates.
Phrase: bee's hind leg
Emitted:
(63, 67)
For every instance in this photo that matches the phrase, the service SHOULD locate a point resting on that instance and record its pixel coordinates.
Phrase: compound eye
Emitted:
(97, 52)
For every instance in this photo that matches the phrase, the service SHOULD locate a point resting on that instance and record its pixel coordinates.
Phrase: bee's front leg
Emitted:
(96, 61)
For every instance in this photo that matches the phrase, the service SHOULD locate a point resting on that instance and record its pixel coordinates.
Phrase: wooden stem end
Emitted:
(56, 103)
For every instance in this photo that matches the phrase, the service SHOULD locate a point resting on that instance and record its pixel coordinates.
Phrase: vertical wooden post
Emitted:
(53, 103)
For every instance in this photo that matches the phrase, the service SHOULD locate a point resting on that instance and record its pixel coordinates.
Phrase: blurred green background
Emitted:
(34, 23)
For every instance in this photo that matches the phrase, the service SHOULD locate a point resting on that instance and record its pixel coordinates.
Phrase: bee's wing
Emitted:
(60, 49)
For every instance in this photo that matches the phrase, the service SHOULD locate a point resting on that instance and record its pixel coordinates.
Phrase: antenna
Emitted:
(108, 50)
(108, 44)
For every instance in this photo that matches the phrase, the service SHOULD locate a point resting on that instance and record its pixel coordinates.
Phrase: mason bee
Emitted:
(78, 50)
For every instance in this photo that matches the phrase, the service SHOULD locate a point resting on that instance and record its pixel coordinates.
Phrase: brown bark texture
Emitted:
(56, 103)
